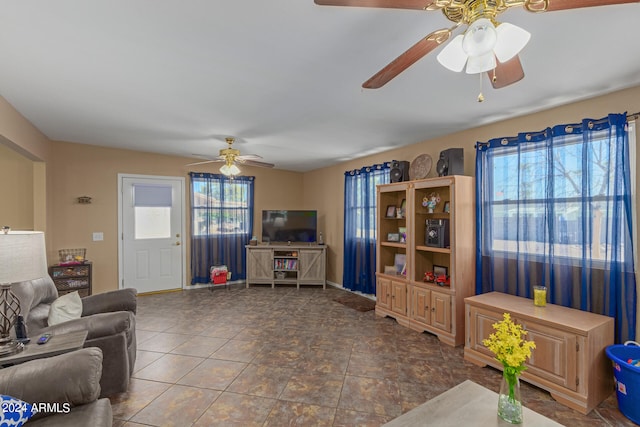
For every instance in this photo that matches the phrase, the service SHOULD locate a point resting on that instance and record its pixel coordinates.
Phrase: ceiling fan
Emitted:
(230, 156)
(486, 46)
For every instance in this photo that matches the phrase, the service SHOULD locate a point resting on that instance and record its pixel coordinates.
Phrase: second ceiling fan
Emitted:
(486, 46)
(230, 156)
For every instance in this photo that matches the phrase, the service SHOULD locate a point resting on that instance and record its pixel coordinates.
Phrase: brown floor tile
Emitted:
(144, 358)
(372, 395)
(345, 418)
(163, 342)
(199, 346)
(169, 368)
(319, 389)
(179, 406)
(261, 380)
(140, 394)
(231, 409)
(373, 365)
(299, 415)
(238, 350)
(213, 373)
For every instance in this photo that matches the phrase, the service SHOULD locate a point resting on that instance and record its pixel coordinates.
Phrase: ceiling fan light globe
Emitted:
(480, 38)
(234, 170)
(224, 170)
(511, 40)
(481, 64)
(453, 56)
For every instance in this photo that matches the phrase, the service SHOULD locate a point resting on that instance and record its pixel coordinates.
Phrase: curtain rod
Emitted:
(633, 116)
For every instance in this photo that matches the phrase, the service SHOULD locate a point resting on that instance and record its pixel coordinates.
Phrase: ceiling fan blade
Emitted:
(255, 163)
(506, 73)
(408, 58)
(536, 5)
(249, 157)
(394, 4)
(204, 162)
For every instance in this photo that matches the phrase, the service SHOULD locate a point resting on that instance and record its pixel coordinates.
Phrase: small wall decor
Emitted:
(84, 200)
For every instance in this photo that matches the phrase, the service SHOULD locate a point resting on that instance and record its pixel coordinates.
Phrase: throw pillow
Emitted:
(14, 412)
(65, 308)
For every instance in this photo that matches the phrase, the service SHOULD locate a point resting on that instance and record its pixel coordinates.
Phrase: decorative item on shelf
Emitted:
(403, 234)
(393, 237)
(6, 229)
(441, 275)
(431, 201)
(84, 200)
(253, 241)
(447, 207)
(391, 211)
(540, 296)
(72, 256)
(22, 257)
(509, 347)
(429, 277)
(400, 262)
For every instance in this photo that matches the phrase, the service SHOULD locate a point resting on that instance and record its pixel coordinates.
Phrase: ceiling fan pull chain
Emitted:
(480, 95)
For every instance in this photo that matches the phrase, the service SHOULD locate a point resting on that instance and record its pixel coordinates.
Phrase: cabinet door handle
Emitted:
(433, 309)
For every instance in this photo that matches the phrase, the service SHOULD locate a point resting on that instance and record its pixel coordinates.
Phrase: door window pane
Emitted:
(152, 222)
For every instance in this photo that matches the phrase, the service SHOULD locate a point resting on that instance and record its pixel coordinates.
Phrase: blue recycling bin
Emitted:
(627, 378)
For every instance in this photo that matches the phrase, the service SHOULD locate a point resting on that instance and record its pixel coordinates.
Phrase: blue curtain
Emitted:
(221, 224)
(359, 273)
(554, 209)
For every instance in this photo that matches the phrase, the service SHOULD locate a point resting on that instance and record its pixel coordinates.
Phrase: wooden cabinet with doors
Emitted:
(406, 250)
(569, 360)
(286, 264)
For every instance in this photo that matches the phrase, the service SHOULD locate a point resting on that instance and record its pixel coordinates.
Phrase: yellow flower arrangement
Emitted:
(509, 346)
(510, 349)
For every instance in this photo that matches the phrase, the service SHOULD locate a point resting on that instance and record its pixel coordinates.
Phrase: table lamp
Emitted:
(22, 257)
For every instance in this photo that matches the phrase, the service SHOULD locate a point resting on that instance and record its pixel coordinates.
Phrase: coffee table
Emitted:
(467, 404)
(57, 344)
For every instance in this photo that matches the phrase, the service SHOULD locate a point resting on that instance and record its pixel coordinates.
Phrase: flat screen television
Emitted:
(289, 226)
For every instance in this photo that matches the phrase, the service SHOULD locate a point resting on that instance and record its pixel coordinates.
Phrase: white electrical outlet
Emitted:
(98, 236)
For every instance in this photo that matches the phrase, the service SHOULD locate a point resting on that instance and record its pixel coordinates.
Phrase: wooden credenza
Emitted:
(569, 360)
(286, 264)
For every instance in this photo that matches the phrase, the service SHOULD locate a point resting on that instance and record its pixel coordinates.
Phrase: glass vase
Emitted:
(509, 399)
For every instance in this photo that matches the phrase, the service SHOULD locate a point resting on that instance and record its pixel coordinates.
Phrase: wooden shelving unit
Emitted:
(404, 295)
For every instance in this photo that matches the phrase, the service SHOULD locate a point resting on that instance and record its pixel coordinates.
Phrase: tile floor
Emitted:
(288, 357)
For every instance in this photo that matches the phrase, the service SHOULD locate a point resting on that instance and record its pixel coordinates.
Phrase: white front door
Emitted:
(151, 230)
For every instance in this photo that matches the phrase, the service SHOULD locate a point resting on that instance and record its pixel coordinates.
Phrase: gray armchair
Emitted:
(68, 379)
(109, 319)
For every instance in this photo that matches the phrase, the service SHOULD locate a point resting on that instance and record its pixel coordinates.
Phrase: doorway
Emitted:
(151, 252)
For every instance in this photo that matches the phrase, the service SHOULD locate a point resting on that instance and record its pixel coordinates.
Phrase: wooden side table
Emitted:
(57, 344)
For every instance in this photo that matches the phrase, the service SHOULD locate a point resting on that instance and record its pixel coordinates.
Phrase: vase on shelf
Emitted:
(509, 399)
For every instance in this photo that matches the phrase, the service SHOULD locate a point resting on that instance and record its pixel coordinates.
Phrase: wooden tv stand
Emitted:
(295, 264)
(569, 360)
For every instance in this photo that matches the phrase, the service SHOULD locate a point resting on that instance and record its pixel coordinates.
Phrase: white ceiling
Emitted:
(284, 76)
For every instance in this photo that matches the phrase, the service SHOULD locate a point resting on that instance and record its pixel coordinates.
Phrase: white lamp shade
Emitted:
(480, 38)
(480, 64)
(229, 170)
(453, 56)
(22, 256)
(511, 40)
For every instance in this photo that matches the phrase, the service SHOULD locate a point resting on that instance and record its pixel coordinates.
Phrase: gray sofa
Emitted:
(71, 378)
(109, 319)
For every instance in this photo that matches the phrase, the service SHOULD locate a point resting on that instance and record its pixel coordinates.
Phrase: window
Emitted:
(559, 199)
(221, 224)
(221, 206)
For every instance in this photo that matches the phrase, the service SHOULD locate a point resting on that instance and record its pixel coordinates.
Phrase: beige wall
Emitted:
(16, 190)
(324, 187)
(85, 170)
